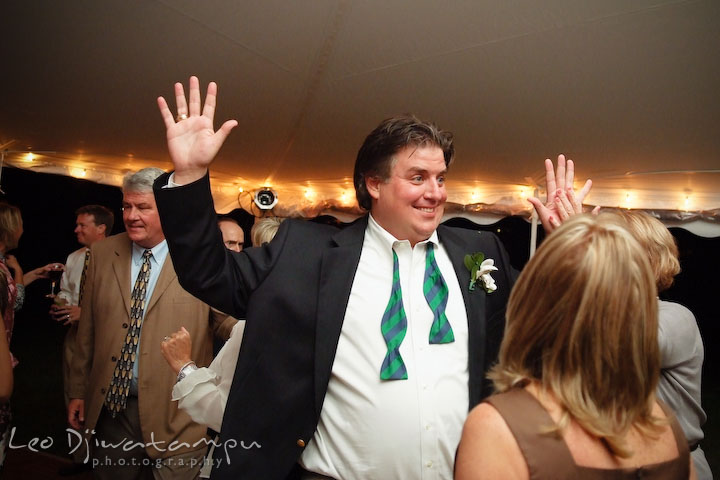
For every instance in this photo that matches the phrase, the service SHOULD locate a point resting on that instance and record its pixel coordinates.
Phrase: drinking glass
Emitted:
(55, 274)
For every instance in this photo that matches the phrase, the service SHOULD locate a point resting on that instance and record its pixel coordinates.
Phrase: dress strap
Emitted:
(529, 423)
(682, 443)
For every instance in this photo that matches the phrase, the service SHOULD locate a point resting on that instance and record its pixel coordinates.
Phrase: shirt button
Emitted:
(102, 390)
(427, 427)
(300, 442)
(429, 464)
(125, 325)
(113, 358)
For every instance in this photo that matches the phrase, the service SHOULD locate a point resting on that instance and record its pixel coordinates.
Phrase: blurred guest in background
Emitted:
(11, 229)
(6, 373)
(264, 230)
(93, 223)
(681, 347)
(232, 234)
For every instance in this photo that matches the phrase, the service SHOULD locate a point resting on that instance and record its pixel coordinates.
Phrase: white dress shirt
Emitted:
(203, 393)
(396, 429)
(70, 281)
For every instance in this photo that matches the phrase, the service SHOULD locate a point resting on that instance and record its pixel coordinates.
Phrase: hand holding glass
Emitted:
(55, 274)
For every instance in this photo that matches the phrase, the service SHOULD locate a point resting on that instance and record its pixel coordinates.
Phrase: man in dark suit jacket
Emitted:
(323, 387)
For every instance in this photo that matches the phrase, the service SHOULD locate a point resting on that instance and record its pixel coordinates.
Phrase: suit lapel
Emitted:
(475, 307)
(167, 275)
(337, 272)
(121, 267)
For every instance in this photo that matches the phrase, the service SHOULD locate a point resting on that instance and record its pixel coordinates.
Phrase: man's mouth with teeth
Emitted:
(426, 209)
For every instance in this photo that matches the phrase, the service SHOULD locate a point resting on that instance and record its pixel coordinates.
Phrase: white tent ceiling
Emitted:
(629, 89)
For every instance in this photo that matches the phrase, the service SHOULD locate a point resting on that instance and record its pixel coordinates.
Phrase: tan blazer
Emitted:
(101, 333)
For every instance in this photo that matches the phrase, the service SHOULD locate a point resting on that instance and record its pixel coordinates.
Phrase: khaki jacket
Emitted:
(101, 333)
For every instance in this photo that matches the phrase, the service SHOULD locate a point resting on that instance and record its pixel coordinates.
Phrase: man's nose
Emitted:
(130, 212)
(433, 190)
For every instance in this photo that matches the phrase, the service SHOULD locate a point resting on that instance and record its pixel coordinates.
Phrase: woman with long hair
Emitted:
(578, 369)
(11, 229)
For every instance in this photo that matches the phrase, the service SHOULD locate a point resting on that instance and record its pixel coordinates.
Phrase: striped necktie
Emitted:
(394, 327)
(81, 289)
(436, 294)
(116, 399)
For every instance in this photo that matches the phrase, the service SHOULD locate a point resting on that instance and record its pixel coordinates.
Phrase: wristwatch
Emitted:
(186, 370)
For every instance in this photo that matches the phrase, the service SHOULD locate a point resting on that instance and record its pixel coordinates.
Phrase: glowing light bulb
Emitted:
(78, 172)
(29, 157)
(628, 200)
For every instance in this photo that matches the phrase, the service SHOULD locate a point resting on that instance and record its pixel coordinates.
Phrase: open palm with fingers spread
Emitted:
(192, 139)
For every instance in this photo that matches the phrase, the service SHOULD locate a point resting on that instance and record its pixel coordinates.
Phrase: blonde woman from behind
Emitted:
(578, 369)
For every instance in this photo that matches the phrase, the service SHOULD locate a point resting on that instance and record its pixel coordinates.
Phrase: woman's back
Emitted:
(528, 452)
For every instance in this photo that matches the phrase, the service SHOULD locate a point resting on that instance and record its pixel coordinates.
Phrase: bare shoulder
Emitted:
(488, 448)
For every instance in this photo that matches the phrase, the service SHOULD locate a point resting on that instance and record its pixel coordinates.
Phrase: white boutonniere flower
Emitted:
(480, 269)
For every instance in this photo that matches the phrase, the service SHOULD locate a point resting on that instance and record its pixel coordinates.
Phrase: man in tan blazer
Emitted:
(167, 443)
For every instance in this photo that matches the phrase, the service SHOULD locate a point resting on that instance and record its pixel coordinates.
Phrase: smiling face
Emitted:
(141, 218)
(87, 231)
(410, 203)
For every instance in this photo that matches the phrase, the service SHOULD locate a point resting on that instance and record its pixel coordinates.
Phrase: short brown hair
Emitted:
(101, 215)
(582, 321)
(657, 242)
(375, 157)
(10, 223)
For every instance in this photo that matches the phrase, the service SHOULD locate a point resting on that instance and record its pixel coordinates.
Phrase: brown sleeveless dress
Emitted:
(548, 457)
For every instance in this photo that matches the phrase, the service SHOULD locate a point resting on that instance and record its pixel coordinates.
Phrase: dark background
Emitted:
(48, 203)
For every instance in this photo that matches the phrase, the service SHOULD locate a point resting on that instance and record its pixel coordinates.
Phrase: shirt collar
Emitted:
(159, 252)
(382, 237)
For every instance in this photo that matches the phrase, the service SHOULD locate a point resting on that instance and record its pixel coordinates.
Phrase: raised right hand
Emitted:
(192, 141)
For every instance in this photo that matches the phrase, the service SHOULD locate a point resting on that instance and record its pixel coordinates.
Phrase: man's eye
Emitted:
(441, 180)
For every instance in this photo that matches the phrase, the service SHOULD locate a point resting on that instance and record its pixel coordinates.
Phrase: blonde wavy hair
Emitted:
(582, 322)
(658, 244)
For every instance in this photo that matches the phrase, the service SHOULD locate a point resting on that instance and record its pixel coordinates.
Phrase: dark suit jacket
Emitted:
(293, 293)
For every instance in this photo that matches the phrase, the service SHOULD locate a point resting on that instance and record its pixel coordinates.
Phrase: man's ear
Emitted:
(373, 186)
(103, 229)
